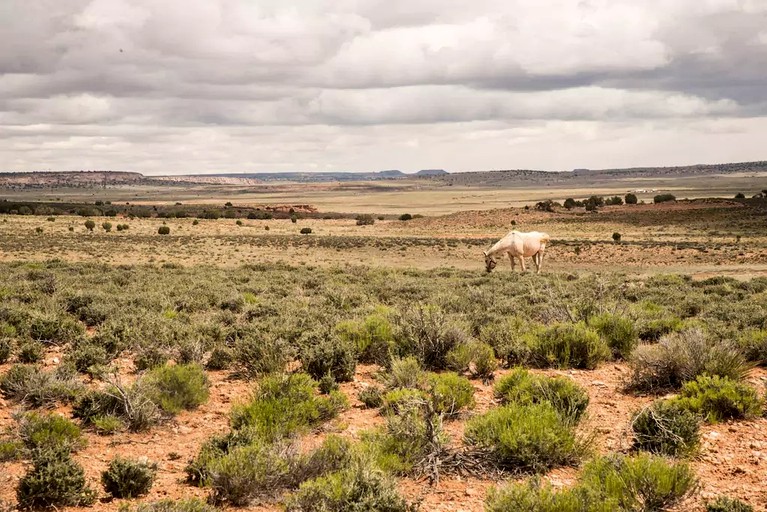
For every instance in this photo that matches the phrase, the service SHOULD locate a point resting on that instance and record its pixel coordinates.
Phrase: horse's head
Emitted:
(490, 263)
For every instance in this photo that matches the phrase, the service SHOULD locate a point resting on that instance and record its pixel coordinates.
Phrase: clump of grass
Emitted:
(522, 387)
(568, 345)
(404, 373)
(325, 354)
(10, 450)
(108, 424)
(285, 405)
(221, 358)
(720, 398)
(619, 333)
(86, 357)
(131, 404)
(681, 357)
(510, 338)
(127, 478)
(666, 428)
(608, 484)
(373, 338)
(450, 393)
(34, 387)
(726, 504)
(475, 357)
(40, 432)
(426, 333)
(188, 505)
(6, 349)
(371, 397)
(31, 352)
(527, 437)
(177, 387)
(753, 343)
(256, 355)
(151, 357)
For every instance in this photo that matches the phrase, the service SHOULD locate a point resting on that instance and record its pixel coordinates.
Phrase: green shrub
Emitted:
(89, 225)
(126, 478)
(641, 483)
(249, 472)
(526, 437)
(130, 404)
(373, 338)
(725, 504)
(450, 393)
(618, 332)
(655, 321)
(323, 353)
(425, 333)
(631, 199)
(354, 489)
(753, 343)
(405, 216)
(327, 384)
(720, 398)
(616, 237)
(533, 496)
(31, 352)
(6, 348)
(34, 387)
(151, 357)
(664, 198)
(510, 339)
(365, 220)
(164, 230)
(475, 357)
(54, 480)
(285, 405)
(188, 505)
(405, 373)
(10, 450)
(55, 329)
(681, 357)
(256, 355)
(107, 226)
(666, 428)
(306, 231)
(108, 424)
(371, 397)
(40, 432)
(524, 388)
(178, 387)
(569, 346)
(87, 356)
(401, 399)
(221, 358)
(335, 453)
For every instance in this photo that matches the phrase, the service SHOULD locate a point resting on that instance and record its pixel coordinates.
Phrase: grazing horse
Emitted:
(518, 245)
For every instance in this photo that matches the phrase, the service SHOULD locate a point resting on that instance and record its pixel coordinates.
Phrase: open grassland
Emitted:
(701, 236)
(184, 366)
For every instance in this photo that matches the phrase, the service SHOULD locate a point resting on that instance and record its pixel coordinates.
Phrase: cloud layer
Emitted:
(263, 85)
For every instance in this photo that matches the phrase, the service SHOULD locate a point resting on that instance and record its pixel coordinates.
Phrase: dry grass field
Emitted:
(675, 312)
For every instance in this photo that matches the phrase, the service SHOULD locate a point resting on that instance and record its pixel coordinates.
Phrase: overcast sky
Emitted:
(190, 86)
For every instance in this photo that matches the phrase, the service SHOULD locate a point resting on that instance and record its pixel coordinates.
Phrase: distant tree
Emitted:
(631, 198)
(664, 198)
(306, 231)
(228, 203)
(38, 230)
(365, 220)
(89, 225)
(616, 237)
(405, 216)
(239, 222)
(230, 214)
(107, 226)
(293, 218)
(740, 195)
(569, 203)
(164, 230)
(594, 202)
(615, 200)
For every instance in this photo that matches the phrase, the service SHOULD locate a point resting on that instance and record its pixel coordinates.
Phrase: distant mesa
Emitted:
(391, 174)
(431, 172)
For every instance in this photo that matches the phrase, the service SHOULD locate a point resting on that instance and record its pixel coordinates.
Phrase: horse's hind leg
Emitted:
(540, 260)
(522, 261)
(511, 259)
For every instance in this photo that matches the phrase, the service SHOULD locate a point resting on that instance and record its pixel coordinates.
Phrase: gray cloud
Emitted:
(238, 85)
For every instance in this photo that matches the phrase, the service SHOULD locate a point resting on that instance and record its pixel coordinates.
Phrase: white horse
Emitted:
(518, 245)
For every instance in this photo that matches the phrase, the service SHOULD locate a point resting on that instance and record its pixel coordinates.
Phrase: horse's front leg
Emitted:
(511, 259)
(522, 261)
(540, 261)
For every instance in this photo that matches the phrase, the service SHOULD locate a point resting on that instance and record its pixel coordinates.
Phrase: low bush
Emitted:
(618, 332)
(356, 488)
(164, 230)
(524, 388)
(6, 348)
(126, 478)
(306, 231)
(725, 504)
(753, 343)
(41, 432)
(334, 454)
(475, 357)
(34, 387)
(108, 424)
(87, 357)
(365, 220)
(10, 450)
(31, 352)
(256, 355)
(221, 358)
(510, 339)
(568, 346)
(187, 505)
(655, 321)
(666, 428)
(323, 353)
(664, 198)
(131, 404)
(535, 496)
(399, 400)
(177, 387)
(405, 373)
(151, 357)
(640, 483)
(373, 338)
(426, 333)
(526, 437)
(681, 357)
(450, 393)
(285, 405)
(371, 397)
(720, 398)
(54, 480)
